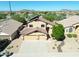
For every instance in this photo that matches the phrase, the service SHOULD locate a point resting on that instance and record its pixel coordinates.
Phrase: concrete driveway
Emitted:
(40, 48)
(34, 48)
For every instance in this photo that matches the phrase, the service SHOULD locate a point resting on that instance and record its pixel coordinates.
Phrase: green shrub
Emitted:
(58, 32)
(74, 35)
(69, 35)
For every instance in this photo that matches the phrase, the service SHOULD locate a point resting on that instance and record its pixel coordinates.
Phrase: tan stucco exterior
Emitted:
(67, 30)
(37, 24)
(50, 29)
(74, 31)
(36, 36)
(48, 25)
(37, 33)
(29, 37)
(77, 31)
(50, 32)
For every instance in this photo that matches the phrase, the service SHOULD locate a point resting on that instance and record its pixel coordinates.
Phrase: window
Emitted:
(42, 25)
(70, 29)
(66, 30)
(30, 25)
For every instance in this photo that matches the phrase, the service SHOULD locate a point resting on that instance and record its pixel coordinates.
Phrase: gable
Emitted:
(27, 31)
(37, 23)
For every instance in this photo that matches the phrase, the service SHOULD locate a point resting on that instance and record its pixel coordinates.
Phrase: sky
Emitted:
(39, 5)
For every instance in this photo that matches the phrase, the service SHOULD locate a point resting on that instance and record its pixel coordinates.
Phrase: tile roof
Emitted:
(44, 20)
(10, 26)
(27, 31)
(69, 21)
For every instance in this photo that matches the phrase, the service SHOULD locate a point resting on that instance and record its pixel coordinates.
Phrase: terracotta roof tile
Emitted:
(27, 31)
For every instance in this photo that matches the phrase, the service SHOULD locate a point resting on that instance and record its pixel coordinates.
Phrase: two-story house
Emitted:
(37, 29)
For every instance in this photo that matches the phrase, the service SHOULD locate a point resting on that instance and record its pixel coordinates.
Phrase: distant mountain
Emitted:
(68, 10)
(65, 10)
(26, 10)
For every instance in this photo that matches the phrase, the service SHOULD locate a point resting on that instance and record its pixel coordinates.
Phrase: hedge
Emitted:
(71, 35)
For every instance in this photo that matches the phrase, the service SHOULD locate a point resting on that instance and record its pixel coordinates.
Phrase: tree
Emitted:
(54, 16)
(61, 16)
(58, 32)
(50, 16)
(24, 15)
(2, 16)
(18, 18)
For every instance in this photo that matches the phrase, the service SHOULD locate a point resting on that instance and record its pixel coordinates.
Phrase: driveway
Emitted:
(34, 48)
(43, 48)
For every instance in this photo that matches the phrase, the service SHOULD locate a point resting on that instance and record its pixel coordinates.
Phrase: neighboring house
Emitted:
(9, 29)
(37, 28)
(71, 24)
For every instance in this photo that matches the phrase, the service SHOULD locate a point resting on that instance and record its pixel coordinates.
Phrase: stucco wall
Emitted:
(67, 30)
(36, 36)
(77, 31)
(29, 37)
(48, 25)
(37, 33)
(50, 32)
(37, 24)
(42, 35)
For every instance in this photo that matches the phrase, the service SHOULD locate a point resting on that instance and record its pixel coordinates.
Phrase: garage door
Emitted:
(42, 37)
(29, 37)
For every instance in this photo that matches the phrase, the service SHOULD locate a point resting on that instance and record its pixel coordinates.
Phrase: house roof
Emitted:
(10, 26)
(40, 18)
(44, 20)
(69, 21)
(27, 31)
